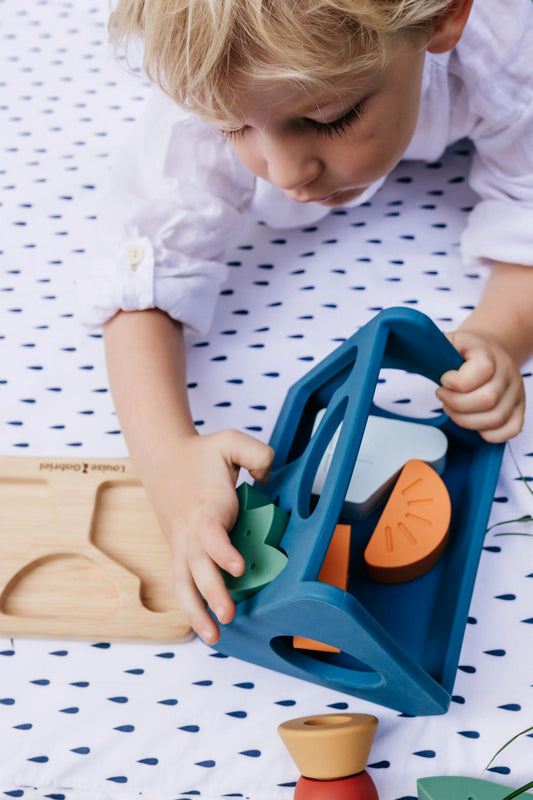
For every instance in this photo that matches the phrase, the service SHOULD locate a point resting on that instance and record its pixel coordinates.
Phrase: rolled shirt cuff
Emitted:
(499, 231)
(185, 288)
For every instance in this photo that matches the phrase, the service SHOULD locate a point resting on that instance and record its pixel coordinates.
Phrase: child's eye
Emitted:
(235, 134)
(340, 125)
(337, 126)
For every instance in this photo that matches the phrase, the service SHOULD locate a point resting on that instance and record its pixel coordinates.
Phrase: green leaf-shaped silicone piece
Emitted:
(455, 788)
(256, 534)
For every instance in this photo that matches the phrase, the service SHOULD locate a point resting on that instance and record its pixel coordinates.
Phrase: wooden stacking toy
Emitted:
(331, 752)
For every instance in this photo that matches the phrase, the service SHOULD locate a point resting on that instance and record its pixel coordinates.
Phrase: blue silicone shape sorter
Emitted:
(399, 644)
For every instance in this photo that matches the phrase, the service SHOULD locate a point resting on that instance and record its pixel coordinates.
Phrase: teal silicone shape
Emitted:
(256, 535)
(455, 788)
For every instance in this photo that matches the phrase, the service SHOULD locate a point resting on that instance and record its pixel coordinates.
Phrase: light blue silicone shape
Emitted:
(399, 643)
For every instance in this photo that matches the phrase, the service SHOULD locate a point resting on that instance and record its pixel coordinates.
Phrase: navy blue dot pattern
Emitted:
(111, 721)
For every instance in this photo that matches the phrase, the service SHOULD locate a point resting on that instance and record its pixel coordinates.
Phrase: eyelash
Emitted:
(324, 129)
(340, 125)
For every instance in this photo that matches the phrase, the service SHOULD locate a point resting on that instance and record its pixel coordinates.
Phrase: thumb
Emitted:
(255, 456)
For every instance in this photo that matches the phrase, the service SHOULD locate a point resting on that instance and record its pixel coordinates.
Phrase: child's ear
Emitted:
(446, 31)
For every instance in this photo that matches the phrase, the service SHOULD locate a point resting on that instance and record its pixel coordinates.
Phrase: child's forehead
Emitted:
(250, 89)
(269, 84)
(297, 96)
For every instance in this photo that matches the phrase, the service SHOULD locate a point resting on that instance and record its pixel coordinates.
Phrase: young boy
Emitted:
(287, 110)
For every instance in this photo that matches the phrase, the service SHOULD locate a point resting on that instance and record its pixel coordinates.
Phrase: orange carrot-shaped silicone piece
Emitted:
(412, 531)
(334, 571)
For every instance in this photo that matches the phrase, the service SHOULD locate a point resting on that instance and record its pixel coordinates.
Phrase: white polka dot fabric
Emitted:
(121, 721)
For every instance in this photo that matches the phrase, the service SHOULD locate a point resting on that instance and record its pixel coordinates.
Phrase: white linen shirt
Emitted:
(178, 194)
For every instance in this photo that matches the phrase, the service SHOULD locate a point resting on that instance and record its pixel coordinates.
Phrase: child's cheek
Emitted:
(377, 151)
(249, 155)
(360, 159)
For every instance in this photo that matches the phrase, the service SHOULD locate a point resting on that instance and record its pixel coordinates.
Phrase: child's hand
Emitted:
(205, 509)
(487, 392)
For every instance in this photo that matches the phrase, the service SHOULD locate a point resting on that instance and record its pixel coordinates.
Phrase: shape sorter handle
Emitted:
(417, 345)
(343, 384)
(397, 338)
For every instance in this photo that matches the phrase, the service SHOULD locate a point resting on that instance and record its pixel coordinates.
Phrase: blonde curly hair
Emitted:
(198, 51)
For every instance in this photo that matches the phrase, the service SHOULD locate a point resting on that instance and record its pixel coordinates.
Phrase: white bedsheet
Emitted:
(97, 720)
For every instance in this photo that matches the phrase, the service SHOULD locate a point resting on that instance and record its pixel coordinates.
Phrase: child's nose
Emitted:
(291, 164)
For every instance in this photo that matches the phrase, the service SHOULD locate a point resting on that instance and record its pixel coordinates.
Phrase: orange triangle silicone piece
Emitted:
(412, 531)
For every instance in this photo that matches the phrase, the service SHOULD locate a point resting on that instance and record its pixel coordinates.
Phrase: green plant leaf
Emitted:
(525, 518)
(519, 791)
(516, 736)
(522, 478)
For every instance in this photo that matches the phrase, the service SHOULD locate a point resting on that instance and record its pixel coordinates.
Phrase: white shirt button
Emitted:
(134, 254)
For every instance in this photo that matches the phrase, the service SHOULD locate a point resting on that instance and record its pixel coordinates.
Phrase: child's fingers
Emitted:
(478, 369)
(480, 400)
(503, 420)
(250, 453)
(192, 606)
(197, 579)
(491, 429)
(487, 392)
(512, 428)
(481, 420)
(216, 551)
(215, 541)
(211, 586)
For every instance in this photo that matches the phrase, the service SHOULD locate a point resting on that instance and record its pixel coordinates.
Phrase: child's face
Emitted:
(329, 149)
